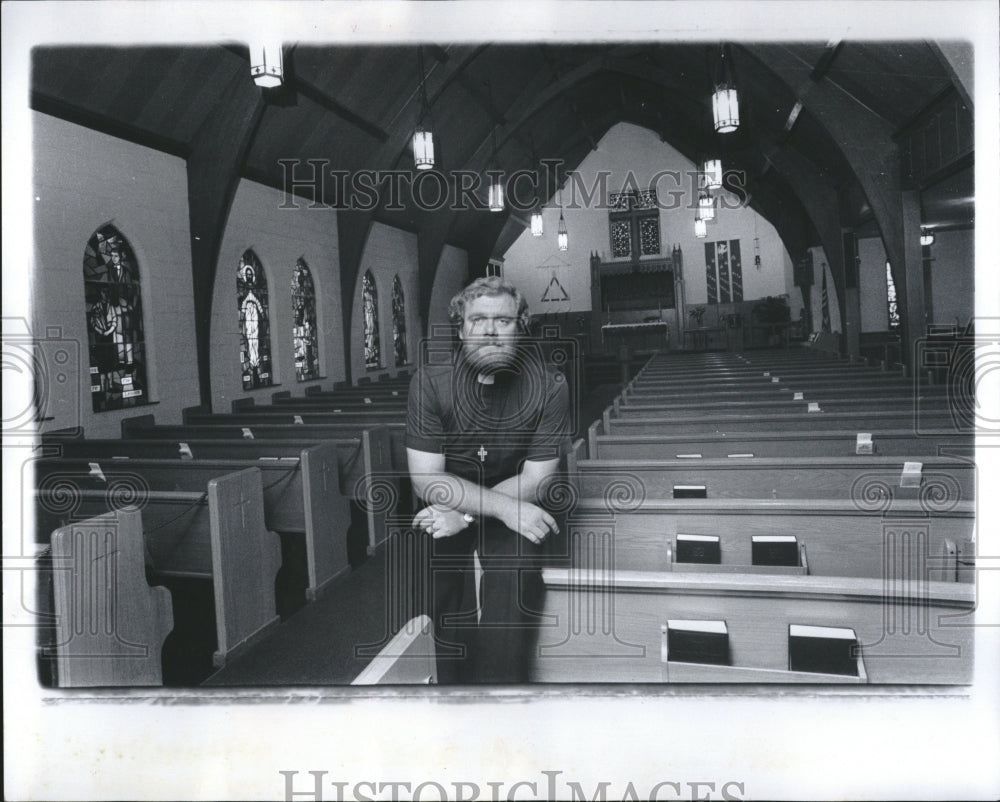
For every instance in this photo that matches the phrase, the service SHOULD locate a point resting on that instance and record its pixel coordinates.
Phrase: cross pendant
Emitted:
(482, 454)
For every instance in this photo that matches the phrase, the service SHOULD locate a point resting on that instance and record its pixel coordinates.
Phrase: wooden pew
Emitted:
(301, 496)
(864, 479)
(218, 535)
(857, 421)
(893, 539)
(367, 471)
(408, 659)
(932, 403)
(752, 372)
(273, 416)
(109, 623)
(609, 626)
(812, 389)
(823, 443)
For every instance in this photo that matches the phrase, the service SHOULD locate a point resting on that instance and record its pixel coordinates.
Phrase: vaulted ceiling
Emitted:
(816, 116)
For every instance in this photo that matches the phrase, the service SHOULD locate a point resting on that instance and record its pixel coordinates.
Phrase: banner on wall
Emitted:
(723, 271)
(711, 280)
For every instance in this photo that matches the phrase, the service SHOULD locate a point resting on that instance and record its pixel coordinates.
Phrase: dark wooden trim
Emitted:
(825, 61)
(958, 165)
(71, 113)
(914, 119)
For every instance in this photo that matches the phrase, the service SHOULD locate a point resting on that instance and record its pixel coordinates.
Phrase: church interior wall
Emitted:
(84, 180)
(530, 262)
(279, 237)
(388, 252)
(452, 274)
(953, 277)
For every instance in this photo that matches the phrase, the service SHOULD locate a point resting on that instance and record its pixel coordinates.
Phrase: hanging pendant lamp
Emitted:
(423, 137)
(266, 64)
(725, 100)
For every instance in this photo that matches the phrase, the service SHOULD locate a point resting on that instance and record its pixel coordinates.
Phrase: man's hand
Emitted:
(440, 521)
(529, 520)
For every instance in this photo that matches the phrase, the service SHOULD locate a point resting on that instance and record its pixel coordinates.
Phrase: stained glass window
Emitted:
(894, 321)
(114, 322)
(255, 325)
(634, 224)
(304, 335)
(621, 237)
(649, 235)
(369, 300)
(619, 201)
(646, 199)
(398, 322)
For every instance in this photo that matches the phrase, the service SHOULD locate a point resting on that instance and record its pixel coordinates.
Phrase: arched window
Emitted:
(369, 300)
(398, 322)
(255, 326)
(304, 334)
(114, 322)
(890, 292)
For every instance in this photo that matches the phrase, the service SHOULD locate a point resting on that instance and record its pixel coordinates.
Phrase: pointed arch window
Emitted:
(304, 336)
(891, 302)
(118, 377)
(369, 300)
(399, 322)
(255, 325)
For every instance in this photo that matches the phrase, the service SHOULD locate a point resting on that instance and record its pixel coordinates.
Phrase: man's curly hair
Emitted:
(491, 286)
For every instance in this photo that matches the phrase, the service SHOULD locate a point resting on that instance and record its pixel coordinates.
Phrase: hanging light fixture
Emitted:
(926, 237)
(496, 185)
(712, 174)
(700, 228)
(496, 194)
(423, 138)
(537, 225)
(725, 101)
(562, 235)
(266, 66)
(706, 206)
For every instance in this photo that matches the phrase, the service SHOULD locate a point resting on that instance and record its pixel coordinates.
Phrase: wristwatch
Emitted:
(469, 519)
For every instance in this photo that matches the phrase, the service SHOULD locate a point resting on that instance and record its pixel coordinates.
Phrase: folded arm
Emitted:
(512, 501)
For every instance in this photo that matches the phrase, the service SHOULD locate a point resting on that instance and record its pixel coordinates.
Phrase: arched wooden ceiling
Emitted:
(354, 108)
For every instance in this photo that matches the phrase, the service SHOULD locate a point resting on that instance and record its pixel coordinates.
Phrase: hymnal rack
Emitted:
(772, 554)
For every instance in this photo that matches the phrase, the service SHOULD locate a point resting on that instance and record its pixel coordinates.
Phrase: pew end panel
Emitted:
(594, 431)
(378, 488)
(134, 426)
(408, 659)
(110, 624)
(328, 516)
(189, 414)
(245, 561)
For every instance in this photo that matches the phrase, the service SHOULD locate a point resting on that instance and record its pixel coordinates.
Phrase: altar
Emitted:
(634, 302)
(648, 336)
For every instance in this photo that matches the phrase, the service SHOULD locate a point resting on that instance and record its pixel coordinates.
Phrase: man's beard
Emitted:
(489, 356)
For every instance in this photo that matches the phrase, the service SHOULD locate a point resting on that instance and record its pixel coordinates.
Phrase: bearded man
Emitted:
(485, 433)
